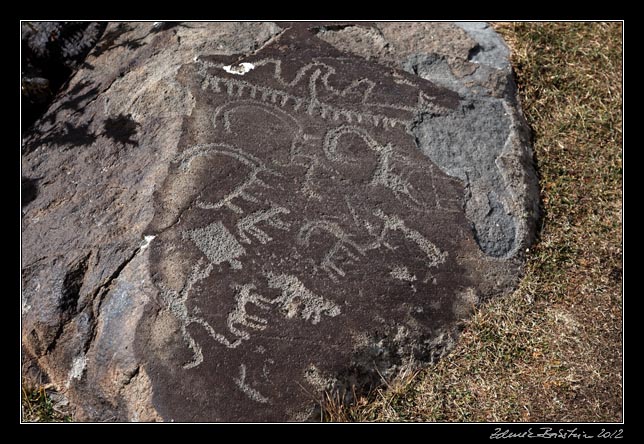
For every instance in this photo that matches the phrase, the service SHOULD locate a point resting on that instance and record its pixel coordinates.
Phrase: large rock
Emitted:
(223, 220)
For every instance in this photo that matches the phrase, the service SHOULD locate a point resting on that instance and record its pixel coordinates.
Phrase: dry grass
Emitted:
(551, 351)
(38, 406)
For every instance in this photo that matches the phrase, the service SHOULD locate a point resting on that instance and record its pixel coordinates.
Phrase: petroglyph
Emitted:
(343, 244)
(320, 154)
(249, 224)
(247, 389)
(353, 250)
(305, 208)
(217, 244)
(242, 191)
(434, 255)
(318, 72)
(239, 315)
(296, 298)
(401, 273)
(384, 172)
(223, 113)
(176, 303)
(239, 321)
(314, 376)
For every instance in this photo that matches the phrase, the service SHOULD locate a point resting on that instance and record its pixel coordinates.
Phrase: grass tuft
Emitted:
(38, 406)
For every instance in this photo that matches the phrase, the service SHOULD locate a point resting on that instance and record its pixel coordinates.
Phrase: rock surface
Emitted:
(223, 220)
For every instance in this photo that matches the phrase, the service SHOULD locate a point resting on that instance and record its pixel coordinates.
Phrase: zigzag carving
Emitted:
(313, 74)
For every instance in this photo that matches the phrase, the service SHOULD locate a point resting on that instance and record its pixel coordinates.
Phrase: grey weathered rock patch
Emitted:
(485, 144)
(226, 219)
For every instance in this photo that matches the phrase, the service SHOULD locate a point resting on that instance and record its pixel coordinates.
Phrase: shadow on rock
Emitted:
(76, 99)
(67, 134)
(121, 129)
(29, 190)
(109, 39)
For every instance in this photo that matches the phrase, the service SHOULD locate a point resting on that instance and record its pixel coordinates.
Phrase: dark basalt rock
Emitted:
(289, 220)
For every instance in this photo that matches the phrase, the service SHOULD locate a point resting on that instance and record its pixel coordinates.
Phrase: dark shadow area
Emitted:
(86, 65)
(121, 129)
(75, 97)
(131, 44)
(474, 51)
(29, 190)
(51, 52)
(109, 39)
(67, 134)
